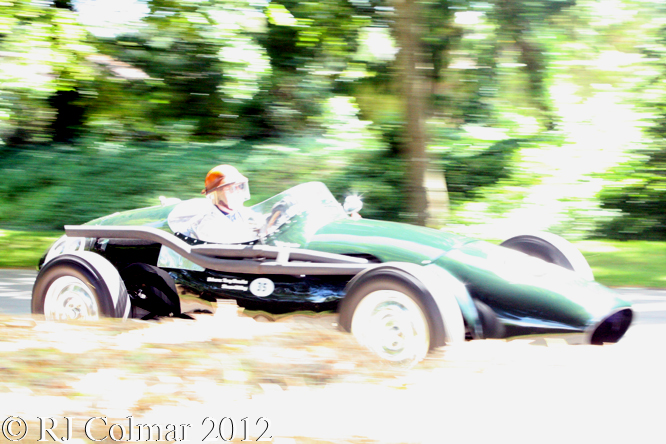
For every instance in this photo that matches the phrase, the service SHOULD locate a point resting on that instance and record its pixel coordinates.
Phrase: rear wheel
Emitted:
(82, 286)
(552, 249)
(492, 326)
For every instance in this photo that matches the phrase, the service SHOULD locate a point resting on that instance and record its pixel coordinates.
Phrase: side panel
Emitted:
(273, 293)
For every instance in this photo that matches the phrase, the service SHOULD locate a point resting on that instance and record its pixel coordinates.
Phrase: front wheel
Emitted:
(392, 325)
(81, 286)
(395, 315)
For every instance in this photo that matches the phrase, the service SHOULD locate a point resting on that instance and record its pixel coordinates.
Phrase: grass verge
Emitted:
(626, 263)
(23, 249)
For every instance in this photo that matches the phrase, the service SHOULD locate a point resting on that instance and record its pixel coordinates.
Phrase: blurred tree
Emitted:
(178, 48)
(234, 68)
(520, 25)
(43, 50)
(636, 189)
(451, 69)
(435, 73)
(311, 47)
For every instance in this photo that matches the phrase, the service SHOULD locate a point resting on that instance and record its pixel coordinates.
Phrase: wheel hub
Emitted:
(70, 298)
(392, 325)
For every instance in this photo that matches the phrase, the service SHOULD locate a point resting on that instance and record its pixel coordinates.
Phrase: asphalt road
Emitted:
(16, 291)
(649, 305)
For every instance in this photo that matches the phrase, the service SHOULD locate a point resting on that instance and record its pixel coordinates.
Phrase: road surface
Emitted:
(16, 291)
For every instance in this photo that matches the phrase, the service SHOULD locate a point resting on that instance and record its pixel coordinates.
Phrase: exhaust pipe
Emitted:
(611, 328)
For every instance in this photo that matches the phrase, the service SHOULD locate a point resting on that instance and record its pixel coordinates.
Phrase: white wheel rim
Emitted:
(70, 298)
(392, 325)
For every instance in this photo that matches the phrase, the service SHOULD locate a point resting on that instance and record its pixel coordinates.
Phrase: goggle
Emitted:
(235, 187)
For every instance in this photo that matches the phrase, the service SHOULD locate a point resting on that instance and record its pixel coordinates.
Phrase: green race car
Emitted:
(400, 289)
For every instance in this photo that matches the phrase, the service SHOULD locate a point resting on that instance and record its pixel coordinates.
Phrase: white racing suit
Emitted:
(212, 225)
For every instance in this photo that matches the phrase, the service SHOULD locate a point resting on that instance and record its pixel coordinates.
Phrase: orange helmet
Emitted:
(222, 175)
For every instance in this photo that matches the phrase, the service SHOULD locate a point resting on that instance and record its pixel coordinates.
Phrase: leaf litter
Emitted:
(315, 384)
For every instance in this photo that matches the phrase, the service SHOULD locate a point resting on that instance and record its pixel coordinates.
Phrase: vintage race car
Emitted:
(400, 289)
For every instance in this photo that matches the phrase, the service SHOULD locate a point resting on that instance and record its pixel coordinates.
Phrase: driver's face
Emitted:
(234, 194)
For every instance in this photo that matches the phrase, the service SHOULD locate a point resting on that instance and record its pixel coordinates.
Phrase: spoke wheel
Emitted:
(81, 286)
(391, 324)
(69, 298)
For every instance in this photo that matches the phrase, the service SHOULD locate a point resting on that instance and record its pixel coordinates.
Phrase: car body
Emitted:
(401, 289)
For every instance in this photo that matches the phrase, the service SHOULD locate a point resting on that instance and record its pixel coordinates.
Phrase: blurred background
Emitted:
(478, 116)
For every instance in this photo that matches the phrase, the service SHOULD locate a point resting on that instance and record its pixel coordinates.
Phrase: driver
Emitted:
(228, 190)
(225, 221)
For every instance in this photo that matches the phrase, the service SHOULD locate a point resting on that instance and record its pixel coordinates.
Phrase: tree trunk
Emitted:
(408, 35)
(438, 198)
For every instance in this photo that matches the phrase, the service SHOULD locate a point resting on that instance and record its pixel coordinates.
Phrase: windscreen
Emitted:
(295, 214)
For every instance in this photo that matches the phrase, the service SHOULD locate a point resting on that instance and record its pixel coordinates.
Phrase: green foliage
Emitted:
(469, 170)
(304, 90)
(379, 179)
(182, 76)
(23, 249)
(227, 68)
(640, 200)
(44, 57)
(636, 189)
(70, 185)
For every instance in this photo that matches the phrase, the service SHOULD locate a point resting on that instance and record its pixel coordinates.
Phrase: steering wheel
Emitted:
(270, 222)
(272, 219)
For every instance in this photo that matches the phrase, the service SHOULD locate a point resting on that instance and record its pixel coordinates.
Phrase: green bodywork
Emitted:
(527, 294)
(388, 241)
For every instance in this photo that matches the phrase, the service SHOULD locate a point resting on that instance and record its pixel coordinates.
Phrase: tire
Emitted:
(552, 249)
(152, 291)
(394, 314)
(492, 327)
(81, 285)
